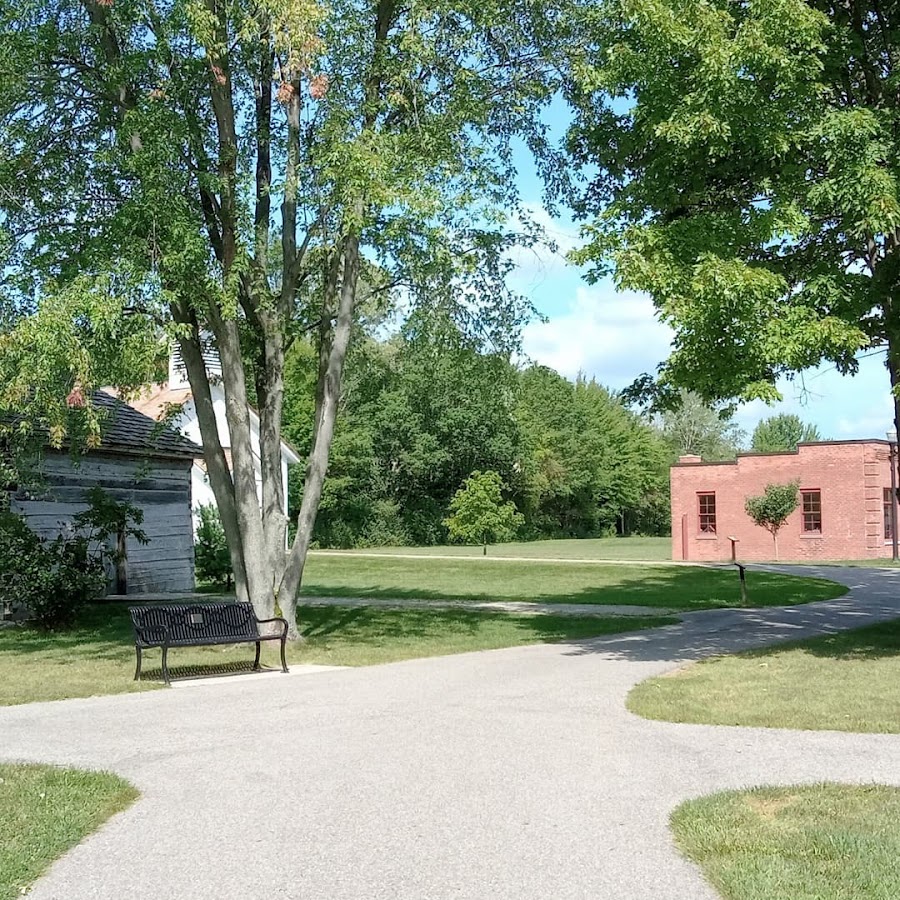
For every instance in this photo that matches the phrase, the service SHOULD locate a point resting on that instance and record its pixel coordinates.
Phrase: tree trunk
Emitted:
(243, 470)
(274, 516)
(775, 542)
(893, 367)
(213, 453)
(328, 394)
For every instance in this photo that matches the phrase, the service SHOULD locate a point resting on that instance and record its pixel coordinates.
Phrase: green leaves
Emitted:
(783, 432)
(479, 514)
(741, 168)
(770, 510)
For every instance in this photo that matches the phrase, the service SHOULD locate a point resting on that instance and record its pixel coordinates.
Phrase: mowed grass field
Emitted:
(536, 580)
(815, 842)
(842, 682)
(640, 548)
(98, 656)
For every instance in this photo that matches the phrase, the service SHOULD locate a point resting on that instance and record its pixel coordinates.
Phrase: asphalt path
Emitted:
(502, 774)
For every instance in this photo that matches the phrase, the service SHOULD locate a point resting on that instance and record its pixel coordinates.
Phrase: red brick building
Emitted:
(844, 511)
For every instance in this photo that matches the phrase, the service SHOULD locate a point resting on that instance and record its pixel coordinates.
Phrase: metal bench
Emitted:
(200, 625)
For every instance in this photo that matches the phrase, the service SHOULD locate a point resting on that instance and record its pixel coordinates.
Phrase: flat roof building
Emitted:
(845, 509)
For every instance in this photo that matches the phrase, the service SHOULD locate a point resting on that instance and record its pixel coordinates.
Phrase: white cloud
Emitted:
(538, 265)
(840, 406)
(612, 336)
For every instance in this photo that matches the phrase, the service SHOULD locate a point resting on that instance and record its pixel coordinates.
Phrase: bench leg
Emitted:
(137, 670)
(256, 661)
(284, 667)
(165, 665)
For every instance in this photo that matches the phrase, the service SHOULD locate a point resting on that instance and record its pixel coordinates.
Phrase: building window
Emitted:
(888, 517)
(812, 512)
(707, 508)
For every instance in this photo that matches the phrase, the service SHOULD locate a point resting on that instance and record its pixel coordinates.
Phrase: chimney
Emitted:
(689, 458)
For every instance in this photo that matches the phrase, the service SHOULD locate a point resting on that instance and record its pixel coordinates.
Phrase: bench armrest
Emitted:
(283, 621)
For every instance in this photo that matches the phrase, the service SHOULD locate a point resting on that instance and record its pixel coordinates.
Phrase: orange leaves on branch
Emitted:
(285, 93)
(75, 398)
(318, 86)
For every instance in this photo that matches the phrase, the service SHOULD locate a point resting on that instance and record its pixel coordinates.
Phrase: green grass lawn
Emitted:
(843, 682)
(643, 548)
(672, 587)
(822, 842)
(98, 656)
(45, 811)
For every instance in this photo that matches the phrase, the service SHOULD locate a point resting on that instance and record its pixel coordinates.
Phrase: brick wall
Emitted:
(851, 476)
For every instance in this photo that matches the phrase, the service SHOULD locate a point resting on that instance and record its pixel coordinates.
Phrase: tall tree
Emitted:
(586, 459)
(783, 432)
(693, 427)
(260, 170)
(741, 166)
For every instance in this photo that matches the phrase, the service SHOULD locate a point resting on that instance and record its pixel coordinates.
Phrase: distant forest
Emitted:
(424, 408)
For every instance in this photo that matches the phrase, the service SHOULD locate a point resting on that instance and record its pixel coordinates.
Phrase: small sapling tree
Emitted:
(211, 557)
(480, 515)
(771, 509)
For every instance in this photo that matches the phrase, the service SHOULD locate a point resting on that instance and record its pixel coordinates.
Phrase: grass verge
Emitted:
(98, 656)
(822, 842)
(841, 682)
(672, 587)
(45, 811)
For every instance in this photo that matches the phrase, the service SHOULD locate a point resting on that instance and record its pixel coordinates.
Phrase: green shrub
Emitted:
(55, 579)
(211, 557)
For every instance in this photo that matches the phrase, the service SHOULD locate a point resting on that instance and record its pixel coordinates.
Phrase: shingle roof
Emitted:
(126, 429)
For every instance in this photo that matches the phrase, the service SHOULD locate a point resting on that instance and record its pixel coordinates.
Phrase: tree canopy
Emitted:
(783, 432)
(246, 175)
(479, 514)
(692, 427)
(740, 164)
(424, 408)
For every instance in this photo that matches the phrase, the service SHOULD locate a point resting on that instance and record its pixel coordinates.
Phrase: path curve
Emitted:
(504, 774)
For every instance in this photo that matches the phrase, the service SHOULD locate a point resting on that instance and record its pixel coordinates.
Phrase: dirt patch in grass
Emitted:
(817, 842)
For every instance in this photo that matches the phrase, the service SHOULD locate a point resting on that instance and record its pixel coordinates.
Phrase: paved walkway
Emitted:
(519, 607)
(506, 774)
(477, 557)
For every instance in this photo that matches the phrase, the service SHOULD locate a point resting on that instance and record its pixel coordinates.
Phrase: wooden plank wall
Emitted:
(161, 488)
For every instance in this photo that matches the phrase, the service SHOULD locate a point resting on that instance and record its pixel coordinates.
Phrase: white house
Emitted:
(177, 392)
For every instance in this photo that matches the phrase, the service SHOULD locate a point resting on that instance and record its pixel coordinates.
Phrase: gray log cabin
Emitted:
(141, 462)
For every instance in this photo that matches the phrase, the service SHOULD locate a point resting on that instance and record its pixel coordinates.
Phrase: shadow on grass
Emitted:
(105, 630)
(105, 634)
(210, 670)
(871, 642)
(378, 625)
(680, 588)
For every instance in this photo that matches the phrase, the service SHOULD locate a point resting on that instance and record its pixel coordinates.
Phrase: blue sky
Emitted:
(615, 337)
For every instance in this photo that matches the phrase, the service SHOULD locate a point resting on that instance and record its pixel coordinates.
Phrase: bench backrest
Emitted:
(188, 623)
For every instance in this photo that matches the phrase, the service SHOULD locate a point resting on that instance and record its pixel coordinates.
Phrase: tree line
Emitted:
(425, 408)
